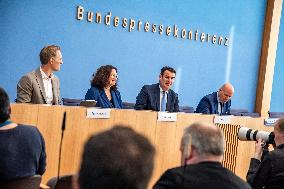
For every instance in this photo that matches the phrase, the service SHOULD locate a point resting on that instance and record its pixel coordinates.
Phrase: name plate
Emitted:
(164, 116)
(97, 113)
(270, 121)
(222, 119)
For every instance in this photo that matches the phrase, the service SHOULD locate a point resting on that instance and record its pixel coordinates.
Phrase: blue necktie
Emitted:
(221, 104)
(163, 103)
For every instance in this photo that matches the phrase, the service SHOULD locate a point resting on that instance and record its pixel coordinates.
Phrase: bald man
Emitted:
(217, 102)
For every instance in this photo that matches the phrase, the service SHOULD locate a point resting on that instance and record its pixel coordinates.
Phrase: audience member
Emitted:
(22, 148)
(159, 97)
(268, 173)
(41, 86)
(217, 102)
(104, 88)
(118, 158)
(202, 148)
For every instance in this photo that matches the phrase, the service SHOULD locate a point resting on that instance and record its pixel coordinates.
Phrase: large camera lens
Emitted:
(247, 134)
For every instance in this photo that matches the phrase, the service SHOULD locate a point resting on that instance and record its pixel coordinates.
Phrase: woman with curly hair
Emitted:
(104, 88)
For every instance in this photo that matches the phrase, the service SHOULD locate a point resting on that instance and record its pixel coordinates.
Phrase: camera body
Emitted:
(247, 134)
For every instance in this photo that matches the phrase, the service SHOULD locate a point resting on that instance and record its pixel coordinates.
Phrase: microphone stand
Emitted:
(60, 146)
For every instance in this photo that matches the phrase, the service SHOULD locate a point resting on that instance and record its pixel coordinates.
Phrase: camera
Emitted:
(246, 134)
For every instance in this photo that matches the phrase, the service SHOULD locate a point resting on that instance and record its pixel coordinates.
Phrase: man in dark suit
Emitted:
(41, 86)
(159, 97)
(266, 170)
(217, 102)
(202, 149)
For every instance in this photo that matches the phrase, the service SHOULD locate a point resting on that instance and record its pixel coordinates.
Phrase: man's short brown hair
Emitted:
(117, 158)
(47, 53)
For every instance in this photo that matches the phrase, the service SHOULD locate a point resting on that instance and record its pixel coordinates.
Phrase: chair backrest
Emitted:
(276, 114)
(64, 182)
(128, 105)
(249, 114)
(71, 101)
(186, 109)
(32, 182)
(252, 114)
(238, 112)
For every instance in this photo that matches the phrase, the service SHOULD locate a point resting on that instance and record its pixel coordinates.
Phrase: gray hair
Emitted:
(207, 139)
(280, 124)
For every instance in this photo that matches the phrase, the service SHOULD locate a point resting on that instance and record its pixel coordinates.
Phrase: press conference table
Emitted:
(164, 135)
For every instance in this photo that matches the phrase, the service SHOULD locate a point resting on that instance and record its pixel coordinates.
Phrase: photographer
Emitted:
(268, 173)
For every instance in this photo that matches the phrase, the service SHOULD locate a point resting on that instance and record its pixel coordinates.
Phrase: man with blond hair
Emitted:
(41, 86)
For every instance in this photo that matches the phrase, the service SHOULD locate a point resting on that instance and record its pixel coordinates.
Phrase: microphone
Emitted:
(60, 146)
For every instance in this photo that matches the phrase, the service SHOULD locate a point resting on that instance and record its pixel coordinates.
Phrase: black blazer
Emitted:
(270, 172)
(149, 99)
(204, 175)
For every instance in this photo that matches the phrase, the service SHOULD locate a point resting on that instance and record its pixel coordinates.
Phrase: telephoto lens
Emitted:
(246, 134)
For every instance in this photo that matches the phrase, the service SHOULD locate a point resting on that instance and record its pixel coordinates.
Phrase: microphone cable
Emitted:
(183, 174)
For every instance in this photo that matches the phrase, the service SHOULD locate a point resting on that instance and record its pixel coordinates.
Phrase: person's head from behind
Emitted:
(5, 109)
(105, 76)
(117, 158)
(51, 56)
(279, 131)
(201, 142)
(167, 77)
(226, 92)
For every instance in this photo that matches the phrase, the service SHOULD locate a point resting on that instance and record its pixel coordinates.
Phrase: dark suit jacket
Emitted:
(30, 89)
(149, 99)
(209, 105)
(204, 175)
(270, 172)
(98, 94)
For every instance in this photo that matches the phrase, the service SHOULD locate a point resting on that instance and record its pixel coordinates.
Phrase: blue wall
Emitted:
(27, 26)
(277, 101)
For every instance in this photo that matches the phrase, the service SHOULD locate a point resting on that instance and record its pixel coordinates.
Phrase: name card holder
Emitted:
(97, 113)
(222, 119)
(270, 121)
(164, 116)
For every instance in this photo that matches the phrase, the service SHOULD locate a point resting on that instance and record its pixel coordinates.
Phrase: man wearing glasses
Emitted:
(217, 102)
(159, 97)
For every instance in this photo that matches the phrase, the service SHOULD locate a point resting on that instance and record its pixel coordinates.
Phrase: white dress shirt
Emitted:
(47, 86)
(219, 103)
